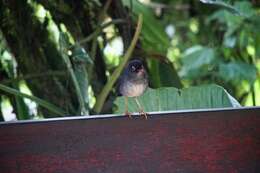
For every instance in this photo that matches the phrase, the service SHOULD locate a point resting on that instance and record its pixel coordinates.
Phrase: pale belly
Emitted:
(134, 90)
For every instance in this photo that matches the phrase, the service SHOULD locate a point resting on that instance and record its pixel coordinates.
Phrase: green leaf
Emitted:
(170, 98)
(233, 25)
(242, 8)
(196, 61)
(79, 54)
(80, 58)
(238, 71)
(39, 101)
(222, 4)
(153, 31)
(64, 45)
(21, 107)
(169, 76)
(245, 8)
(230, 41)
(163, 75)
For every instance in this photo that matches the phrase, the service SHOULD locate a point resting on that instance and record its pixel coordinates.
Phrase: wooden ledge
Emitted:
(219, 140)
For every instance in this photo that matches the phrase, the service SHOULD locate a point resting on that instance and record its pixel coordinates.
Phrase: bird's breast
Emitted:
(133, 90)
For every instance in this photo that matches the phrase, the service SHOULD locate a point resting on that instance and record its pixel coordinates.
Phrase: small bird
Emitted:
(133, 83)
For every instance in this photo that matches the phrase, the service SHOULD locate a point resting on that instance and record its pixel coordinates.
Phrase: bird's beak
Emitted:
(141, 71)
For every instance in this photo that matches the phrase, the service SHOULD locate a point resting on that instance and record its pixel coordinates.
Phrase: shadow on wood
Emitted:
(196, 141)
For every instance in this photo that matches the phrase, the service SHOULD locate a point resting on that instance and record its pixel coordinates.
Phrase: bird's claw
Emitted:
(128, 114)
(143, 113)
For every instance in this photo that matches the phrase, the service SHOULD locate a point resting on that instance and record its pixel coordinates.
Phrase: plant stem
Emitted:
(98, 31)
(107, 88)
(37, 75)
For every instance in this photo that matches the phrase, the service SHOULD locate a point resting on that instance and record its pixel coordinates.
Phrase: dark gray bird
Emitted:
(133, 83)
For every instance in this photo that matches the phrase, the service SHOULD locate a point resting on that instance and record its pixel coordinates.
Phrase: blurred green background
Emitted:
(57, 56)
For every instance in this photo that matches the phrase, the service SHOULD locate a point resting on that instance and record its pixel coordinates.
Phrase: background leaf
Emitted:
(153, 31)
(196, 61)
(238, 71)
(80, 58)
(242, 8)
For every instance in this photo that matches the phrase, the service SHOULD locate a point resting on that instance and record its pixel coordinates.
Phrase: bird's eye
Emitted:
(133, 68)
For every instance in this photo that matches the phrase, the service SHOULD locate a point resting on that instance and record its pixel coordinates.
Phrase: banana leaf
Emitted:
(170, 98)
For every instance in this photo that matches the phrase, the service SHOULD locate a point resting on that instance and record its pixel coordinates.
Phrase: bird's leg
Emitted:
(140, 108)
(126, 108)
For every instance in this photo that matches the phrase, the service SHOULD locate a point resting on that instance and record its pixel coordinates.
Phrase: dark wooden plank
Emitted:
(193, 142)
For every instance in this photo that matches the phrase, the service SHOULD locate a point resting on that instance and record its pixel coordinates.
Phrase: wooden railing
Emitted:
(213, 141)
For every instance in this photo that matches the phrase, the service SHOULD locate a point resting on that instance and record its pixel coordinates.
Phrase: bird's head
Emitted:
(136, 68)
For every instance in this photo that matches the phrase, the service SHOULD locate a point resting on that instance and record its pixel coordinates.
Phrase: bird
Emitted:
(132, 83)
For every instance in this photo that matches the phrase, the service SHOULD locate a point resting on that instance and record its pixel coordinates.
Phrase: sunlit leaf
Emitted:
(164, 99)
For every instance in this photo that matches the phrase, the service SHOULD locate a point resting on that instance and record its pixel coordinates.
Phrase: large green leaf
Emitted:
(169, 98)
(197, 61)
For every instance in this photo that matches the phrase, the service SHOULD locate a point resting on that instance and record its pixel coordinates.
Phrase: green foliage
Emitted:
(155, 41)
(9, 66)
(237, 72)
(105, 91)
(39, 101)
(196, 61)
(242, 8)
(78, 73)
(170, 98)
(80, 58)
(151, 35)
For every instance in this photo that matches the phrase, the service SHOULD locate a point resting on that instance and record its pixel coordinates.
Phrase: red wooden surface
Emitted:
(196, 142)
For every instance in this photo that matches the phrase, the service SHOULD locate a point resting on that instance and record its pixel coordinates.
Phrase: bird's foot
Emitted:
(128, 114)
(143, 113)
